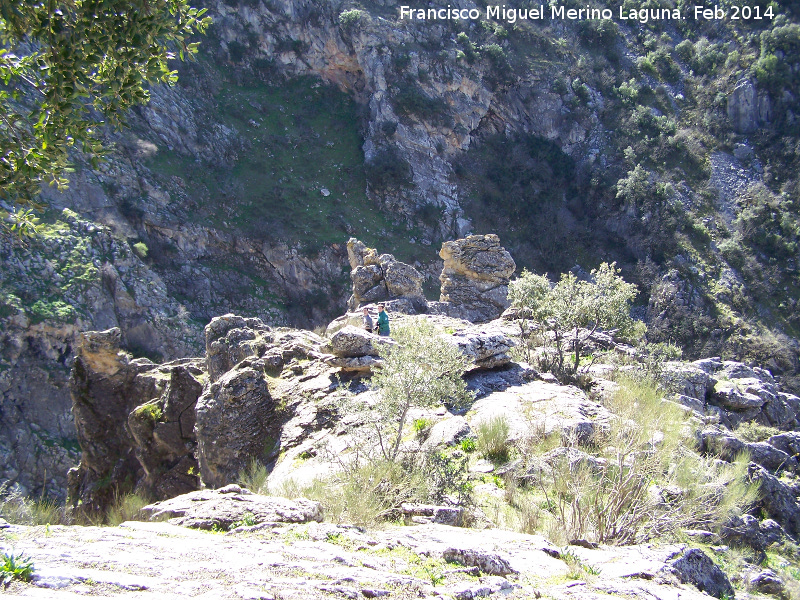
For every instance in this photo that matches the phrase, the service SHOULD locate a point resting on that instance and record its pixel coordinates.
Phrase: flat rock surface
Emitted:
(321, 560)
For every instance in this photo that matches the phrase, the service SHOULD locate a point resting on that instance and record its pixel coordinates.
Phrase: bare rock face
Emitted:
(231, 506)
(747, 108)
(234, 422)
(163, 430)
(379, 278)
(134, 423)
(475, 278)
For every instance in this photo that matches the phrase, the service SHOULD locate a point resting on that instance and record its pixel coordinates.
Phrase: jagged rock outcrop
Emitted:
(381, 277)
(110, 392)
(474, 278)
(733, 392)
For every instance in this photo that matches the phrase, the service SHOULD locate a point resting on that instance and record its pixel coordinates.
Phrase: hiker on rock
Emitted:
(366, 319)
(383, 320)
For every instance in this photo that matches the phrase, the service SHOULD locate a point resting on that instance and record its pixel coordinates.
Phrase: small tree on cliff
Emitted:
(570, 311)
(421, 370)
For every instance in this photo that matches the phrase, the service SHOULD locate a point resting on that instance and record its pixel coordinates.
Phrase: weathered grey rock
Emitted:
(687, 380)
(729, 395)
(447, 432)
(574, 457)
(766, 581)
(352, 342)
(788, 442)
(777, 499)
(163, 431)
(475, 278)
(429, 513)
(728, 447)
(229, 340)
(381, 277)
(355, 365)
(235, 421)
(542, 408)
(698, 569)
(222, 508)
(486, 586)
(748, 109)
(106, 387)
(490, 563)
(487, 348)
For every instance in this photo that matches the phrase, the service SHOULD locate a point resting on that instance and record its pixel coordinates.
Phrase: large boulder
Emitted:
(232, 506)
(163, 431)
(230, 339)
(351, 342)
(475, 277)
(697, 568)
(234, 424)
(748, 109)
(486, 347)
(776, 499)
(382, 277)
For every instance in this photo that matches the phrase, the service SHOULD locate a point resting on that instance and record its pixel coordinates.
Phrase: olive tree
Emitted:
(421, 370)
(69, 67)
(571, 310)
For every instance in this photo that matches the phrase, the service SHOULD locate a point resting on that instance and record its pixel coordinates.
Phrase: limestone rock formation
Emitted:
(698, 569)
(474, 278)
(378, 278)
(350, 342)
(230, 506)
(748, 109)
(134, 421)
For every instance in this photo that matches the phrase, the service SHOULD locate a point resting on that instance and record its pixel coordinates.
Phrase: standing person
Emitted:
(366, 319)
(383, 320)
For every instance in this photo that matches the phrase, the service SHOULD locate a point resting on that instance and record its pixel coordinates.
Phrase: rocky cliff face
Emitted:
(666, 147)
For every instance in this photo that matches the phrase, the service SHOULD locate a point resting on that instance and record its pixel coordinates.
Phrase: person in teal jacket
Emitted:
(383, 320)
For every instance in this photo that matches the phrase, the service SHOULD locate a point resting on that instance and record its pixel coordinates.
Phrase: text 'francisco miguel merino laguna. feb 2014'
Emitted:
(497, 12)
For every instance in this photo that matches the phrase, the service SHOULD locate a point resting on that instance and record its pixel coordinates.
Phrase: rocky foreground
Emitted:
(281, 558)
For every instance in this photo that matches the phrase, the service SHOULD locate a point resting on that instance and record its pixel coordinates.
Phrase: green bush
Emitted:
(421, 370)
(571, 310)
(647, 483)
(411, 101)
(55, 310)
(387, 170)
(126, 507)
(140, 249)
(351, 19)
(254, 477)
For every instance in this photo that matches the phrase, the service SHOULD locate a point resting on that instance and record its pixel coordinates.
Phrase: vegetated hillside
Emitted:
(668, 146)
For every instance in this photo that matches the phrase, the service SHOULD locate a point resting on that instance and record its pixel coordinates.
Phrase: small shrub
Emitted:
(15, 566)
(140, 249)
(750, 431)
(351, 19)
(254, 477)
(493, 439)
(150, 411)
(422, 427)
(16, 508)
(468, 445)
(126, 507)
